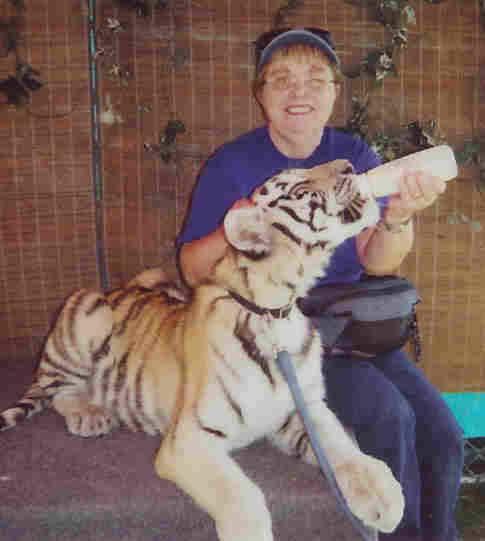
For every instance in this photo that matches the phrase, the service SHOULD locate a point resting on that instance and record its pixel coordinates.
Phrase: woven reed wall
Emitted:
(192, 62)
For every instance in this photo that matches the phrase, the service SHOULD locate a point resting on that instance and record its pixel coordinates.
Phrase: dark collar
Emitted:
(277, 313)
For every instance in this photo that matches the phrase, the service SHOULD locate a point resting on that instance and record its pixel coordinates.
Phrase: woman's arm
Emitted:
(198, 258)
(383, 248)
(381, 252)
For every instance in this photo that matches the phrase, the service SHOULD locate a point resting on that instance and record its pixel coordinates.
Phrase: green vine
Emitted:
(395, 16)
(472, 154)
(18, 4)
(16, 88)
(379, 63)
(9, 35)
(107, 54)
(107, 50)
(143, 8)
(410, 138)
(281, 16)
(166, 148)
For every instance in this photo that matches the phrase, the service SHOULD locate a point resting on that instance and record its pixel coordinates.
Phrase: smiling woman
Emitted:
(297, 97)
(296, 85)
(396, 414)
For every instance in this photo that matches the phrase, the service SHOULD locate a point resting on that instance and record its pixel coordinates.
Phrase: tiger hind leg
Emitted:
(77, 349)
(82, 417)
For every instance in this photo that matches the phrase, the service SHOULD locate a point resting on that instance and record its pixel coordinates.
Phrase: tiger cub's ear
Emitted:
(248, 231)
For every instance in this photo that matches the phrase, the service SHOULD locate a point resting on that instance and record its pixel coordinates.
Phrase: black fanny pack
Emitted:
(375, 315)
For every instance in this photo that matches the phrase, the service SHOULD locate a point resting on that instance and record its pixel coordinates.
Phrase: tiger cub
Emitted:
(203, 372)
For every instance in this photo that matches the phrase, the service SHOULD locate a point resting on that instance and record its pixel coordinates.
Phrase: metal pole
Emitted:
(96, 159)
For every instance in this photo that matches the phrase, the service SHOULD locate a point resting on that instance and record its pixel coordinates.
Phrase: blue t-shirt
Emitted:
(241, 165)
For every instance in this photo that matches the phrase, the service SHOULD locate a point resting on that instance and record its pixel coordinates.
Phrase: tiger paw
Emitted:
(89, 420)
(372, 492)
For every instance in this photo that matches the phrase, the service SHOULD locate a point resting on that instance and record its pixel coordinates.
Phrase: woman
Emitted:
(396, 414)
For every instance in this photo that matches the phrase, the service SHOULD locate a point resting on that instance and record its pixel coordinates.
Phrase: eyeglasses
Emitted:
(265, 39)
(283, 83)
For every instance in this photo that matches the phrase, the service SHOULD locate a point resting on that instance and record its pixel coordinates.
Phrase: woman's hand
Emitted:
(417, 191)
(241, 203)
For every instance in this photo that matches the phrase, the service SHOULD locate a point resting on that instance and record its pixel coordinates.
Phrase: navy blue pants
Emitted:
(400, 418)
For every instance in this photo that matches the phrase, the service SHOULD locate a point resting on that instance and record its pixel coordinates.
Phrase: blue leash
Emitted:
(286, 367)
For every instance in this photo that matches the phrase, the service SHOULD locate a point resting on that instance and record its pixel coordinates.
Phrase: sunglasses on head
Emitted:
(265, 39)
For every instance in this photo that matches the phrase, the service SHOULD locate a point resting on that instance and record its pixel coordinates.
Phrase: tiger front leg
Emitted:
(200, 465)
(367, 484)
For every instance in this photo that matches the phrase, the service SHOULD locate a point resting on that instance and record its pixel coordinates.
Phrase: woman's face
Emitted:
(297, 97)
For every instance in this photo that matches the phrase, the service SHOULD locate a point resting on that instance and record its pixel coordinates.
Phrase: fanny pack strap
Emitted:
(415, 336)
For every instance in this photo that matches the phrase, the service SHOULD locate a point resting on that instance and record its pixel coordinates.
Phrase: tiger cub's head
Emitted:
(299, 216)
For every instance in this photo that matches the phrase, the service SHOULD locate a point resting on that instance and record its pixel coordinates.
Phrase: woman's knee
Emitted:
(444, 436)
(373, 402)
(396, 414)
